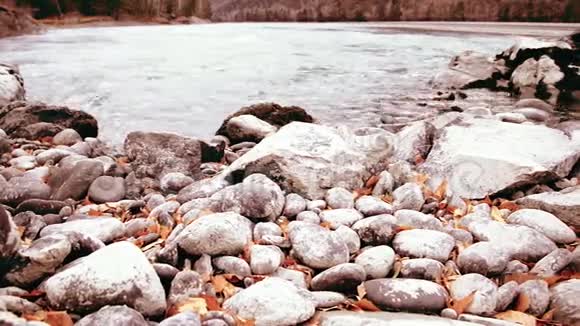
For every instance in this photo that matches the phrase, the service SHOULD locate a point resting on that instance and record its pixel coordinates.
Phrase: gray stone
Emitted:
(422, 268)
(175, 181)
(545, 223)
(53, 155)
(247, 127)
(534, 114)
(77, 181)
(92, 282)
(18, 305)
(328, 299)
(466, 69)
(232, 265)
(370, 206)
(308, 158)
(486, 293)
(534, 103)
(516, 267)
(538, 293)
(264, 260)
(316, 246)
(385, 185)
(11, 84)
(296, 277)
(408, 196)
(106, 229)
(308, 216)
(185, 318)
(376, 261)
(273, 301)
(165, 272)
(564, 301)
(564, 204)
(449, 313)
(67, 137)
(316, 205)
(483, 258)
(216, 234)
(367, 318)
(417, 220)
(532, 74)
(575, 262)
(511, 117)
(350, 237)
(23, 162)
(419, 243)
(186, 284)
(203, 188)
(19, 189)
(376, 230)
(506, 295)
(340, 278)
(406, 294)
(553, 263)
(204, 266)
(9, 235)
(106, 189)
(266, 228)
(339, 197)
(114, 316)
(295, 204)
(341, 216)
(414, 141)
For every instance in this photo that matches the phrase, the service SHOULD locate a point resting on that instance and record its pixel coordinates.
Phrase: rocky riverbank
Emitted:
(465, 218)
(14, 22)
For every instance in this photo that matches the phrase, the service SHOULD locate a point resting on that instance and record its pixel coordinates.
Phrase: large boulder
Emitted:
(156, 154)
(564, 204)
(467, 70)
(36, 120)
(480, 157)
(248, 128)
(11, 84)
(118, 274)
(537, 78)
(309, 159)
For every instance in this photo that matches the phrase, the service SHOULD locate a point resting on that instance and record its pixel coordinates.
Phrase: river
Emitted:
(187, 78)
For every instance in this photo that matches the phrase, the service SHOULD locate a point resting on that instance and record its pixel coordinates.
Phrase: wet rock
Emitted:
(93, 282)
(296, 277)
(565, 302)
(328, 299)
(532, 75)
(256, 197)
(564, 204)
(408, 196)
(308, 216)
(350, 237)
(186, 284)
(538, 294)
(370, 206)
(414, 141)
(248, 128)
(307, 159)
(106, 229)
(203, 188)
(422, 268)
(419, 243)
(376, 261)
(418, 220)
(406, 294)
(449, 313)
(495, 166)
(264, 260)
(185, 318)
(11, 84)
(534, 103)
(156, 154)
(506, 295)
(341, 278)
(483, 258)
(106, 189)
(376, 230)
(385, 184)
(9, 236)
(175, 181)
(41, 206)
(316, 246)
(553, 263)
(466, 70)
(339, 197)
(273, 301)
(77, 181)
(342, 216)
(67, 137)
(36, 120)
(545, 223)
(114, 316)
(486, 293)
(266, 228)
(26, 162)
(232, 265)
(295, 204)
(216, 234)
(516, 267)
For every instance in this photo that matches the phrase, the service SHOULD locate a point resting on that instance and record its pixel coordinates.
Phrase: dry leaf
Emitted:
(244, 322)
(361, 291)
(211, 303)
(222, 285)
(197, 305)
(523, 303)
(58, 318)
(401, 228)
(326, 225)
(361, 192)
(519, 277)
(487, 200)
(164, 232)
(549, 315)
(497, 215)
(517, 317)
(419, 159)
(397, 268)
(509, 205)
(94, 213)
(421, 179)
(372, 181)
(461, 305)
(246, 252)
(366, 305)
(441, 191)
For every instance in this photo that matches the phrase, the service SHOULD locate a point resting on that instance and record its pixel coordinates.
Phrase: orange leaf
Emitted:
(211, 303)
(197, 305)
(523, 303)
(441, 191)
(362, 192)
(517, 317)
(461, 305)
(509, 205)
(401, 228)
(519, 277)
(244, 322)
(421, 179)
(372, 181)
(58, 318)
(94, 212)
(164, 232)
(487, 200)
(246, 252)
(222, 285)
(366, 305)
(361, 291)
(419, 159)
(497, 215)
(326, 224)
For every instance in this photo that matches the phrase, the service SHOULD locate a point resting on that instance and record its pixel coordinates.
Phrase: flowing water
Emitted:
(187, 78)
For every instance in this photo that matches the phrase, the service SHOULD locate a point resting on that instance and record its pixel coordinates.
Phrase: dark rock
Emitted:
(376, 230)
(538, 293)
(19, 189)
(232, 265)
(565, 302)
(106, 189)
(422, 268)
(407, 294)
(9, 236)
(343, 278)
(41, 206)
(76, 184)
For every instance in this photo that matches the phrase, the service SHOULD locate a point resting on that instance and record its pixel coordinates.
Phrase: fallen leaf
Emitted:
(372, 181)
(523, 303)
(397, 268)
(246, 251)
(517, 317)
(222, 285)
(361, 291)
(421, 178)
(419, 159)
(361, 192)
(58, 318)
(401, 228)
(244, 322)
(497, 215)
(509, 205)
(487, 200)
(519, 277)
(164, 232)
(549, 315)
(441, 191)
(94, 213)
(461, 305)
(366, 305)
(37, 316)
(211, 303)
(326, 225)
(197, 305)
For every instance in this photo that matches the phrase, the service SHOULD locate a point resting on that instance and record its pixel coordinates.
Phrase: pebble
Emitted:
(564, 301)
(376, 230)
(420, 243)
(402, 172)
(316, 246)
(18, 305)
(155, 200)
(506, 295)
(106, 189)
(106, 229)
(114, 316)
(538, 293)
(516, 267)
(534, 114)
(53, 155)
(406, 294)
(417, 220)
(408, 196)
(486, 293)
(308, 216)
(248, 127)
(340, 278)
(188, 318)
(483, 258)
(422, 268)
(273, 301)
(26, 162)
(266, 228)
(449, 313)
(545, 223)
(350, 237)
(328, 299)
(175, 181)
(295, 204)
(67, 137)
(296, 277)
(9, 235)
(76, 182)
(376, 261)
(165, 272)
(339, 198)
(370, 206)
(204, 266)
(216, 234)
(341, 216)
(186, 284)
(385, 184)
(232, 265)
(553, 263)
(264, 260)
(511, 117)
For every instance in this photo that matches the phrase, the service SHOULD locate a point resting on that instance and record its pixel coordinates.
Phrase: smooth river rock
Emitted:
(376, 230)
(564, 204)
(107, 189)
(420, 243)
(316, 246)
(484, 258)
(376, 261)
(545, 223)
(341, 278)
(341, 216)
(422, 268)
(564, 301)
(406, 294)
(247, 127)
(114, 316)
(486, 293)
(105, 229)
(339, 197)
